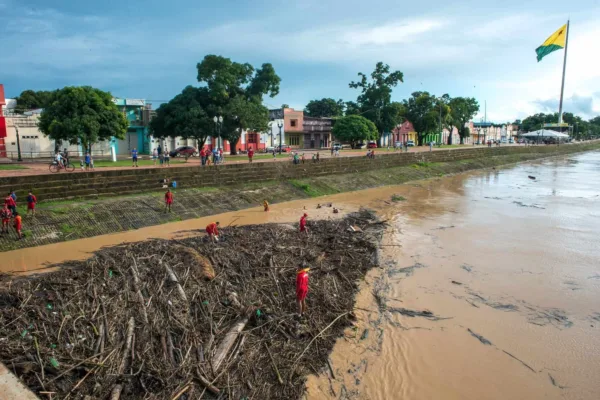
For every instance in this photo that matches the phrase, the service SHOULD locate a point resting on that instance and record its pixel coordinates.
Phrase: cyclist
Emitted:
(59, 159)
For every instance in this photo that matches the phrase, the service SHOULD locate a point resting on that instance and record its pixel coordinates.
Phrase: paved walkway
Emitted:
(42, 168)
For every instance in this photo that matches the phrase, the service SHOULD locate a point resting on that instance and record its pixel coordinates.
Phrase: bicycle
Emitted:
(54, 167)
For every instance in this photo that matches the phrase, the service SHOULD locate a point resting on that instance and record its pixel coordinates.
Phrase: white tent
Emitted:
(545, 133)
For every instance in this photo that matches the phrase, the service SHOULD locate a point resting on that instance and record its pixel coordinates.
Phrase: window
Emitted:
(294, 123)
(294, 140)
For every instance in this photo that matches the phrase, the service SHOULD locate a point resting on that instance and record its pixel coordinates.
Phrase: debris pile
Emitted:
(188, 319)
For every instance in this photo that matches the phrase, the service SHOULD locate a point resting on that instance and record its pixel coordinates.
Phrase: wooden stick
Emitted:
(182, 391)
(137, 287)
(211, 388)
(274, 366)
(128, 340)
(116, 392)
(73, 367)
(173, 278)
(227, 343)
(93, 370)
(37, 349)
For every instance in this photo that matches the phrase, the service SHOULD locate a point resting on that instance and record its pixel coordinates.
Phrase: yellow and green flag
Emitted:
(556, 41)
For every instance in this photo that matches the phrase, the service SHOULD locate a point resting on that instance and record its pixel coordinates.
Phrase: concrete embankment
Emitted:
(203, 192)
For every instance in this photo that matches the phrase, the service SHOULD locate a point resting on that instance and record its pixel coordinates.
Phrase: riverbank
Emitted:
(75, 219)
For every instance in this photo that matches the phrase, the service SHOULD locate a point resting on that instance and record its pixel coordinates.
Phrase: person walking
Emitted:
(154, 156)
(134, 157)
(202, 156)
(87, 160)
(301, 288)
(221, 158)
(31, 202)
(318, 157)
(266, 205)
(18, 224)
(430, 146)
(274, 154)
(10, 202)
(302, 158)
(250, 154)
(303, 227)
(167, 157)
(5, 215)
(168, 200)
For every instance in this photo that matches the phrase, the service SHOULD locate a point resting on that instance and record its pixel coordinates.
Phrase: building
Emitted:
(293, 128)
(2, 122)
(482, 132)
(317, 132)
(138, 115)
(403, 133)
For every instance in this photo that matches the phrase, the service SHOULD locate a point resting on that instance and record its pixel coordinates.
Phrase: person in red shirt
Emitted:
(10, 202)
(212, 230)
(5, 215)
(301, 288)
(18, 225)
(31, 202)
(250, 154)
(303, 227)
(168, 200)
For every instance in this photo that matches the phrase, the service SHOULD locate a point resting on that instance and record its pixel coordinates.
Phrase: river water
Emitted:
(506, 269)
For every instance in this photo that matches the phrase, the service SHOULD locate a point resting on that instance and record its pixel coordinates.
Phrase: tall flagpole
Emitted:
(562, 87)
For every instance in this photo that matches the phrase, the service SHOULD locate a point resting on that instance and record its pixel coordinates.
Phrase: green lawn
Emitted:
(8, 167)
(128, 163)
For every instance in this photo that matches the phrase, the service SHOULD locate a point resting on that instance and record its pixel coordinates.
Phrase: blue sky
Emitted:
(150, 49)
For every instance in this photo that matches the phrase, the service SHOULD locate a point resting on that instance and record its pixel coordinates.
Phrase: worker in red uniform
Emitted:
(31, 202)
(303, 227)
(266, 205)
(250, 154)
(10, 202)
(18, 225)
(213, 231)
(301, 288)
(5, 215)
(168, 200)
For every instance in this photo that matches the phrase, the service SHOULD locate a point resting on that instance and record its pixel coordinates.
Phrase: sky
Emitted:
(150, 49)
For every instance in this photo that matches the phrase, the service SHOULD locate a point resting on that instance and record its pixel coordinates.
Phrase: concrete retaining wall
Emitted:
(129, 181)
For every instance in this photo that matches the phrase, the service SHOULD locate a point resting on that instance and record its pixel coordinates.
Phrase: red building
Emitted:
(2, 123)
(404, 132)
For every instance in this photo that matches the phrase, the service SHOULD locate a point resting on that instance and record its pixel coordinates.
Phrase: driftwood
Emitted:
(197, 260)
(227, 343)
(138, 289)
(173, 278)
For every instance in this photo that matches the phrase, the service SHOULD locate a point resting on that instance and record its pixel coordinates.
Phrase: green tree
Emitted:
(420, 110)
(285, 105)
(351, 108)
(354, 129)
(462, 110)
(375, 101)
(82, 115)
(325, 107)
(31, 100)
(185, 115)
(236, 92)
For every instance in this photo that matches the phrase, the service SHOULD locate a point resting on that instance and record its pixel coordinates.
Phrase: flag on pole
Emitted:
(556, 41)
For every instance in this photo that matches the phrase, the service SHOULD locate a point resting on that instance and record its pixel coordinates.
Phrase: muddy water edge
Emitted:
(489, 288)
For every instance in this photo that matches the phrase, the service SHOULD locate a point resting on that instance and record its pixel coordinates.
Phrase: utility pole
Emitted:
(18, 145)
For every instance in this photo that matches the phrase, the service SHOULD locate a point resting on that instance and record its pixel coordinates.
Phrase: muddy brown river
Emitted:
(489, 286)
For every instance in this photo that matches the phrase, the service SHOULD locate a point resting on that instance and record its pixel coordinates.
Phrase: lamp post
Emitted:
(18, 145)
(270, 125)
(280, 125)
(218, 125)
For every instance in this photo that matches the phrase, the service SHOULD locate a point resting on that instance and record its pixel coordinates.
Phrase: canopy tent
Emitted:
(546, 133)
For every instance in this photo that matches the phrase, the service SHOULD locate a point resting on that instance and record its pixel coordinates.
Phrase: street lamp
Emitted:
(280, 125)
(18, 145)
(218, 125)
(270, 125)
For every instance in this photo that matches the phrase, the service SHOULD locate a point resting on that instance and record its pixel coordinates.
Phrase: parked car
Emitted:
(269, 149)
(337, 146)
(284, 148)
(511, 140)
(372, 145)
(410, 143)
(184, 151)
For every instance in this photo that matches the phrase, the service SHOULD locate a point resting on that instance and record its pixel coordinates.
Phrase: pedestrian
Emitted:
(202, 157)
(154, 156)
(274, 154)
(430, 146)
(221, 159)
(161, 159)
(18, 224)
(266, 205)
(215, 156)
(159, 150)
(31, 202)
(296, 158)
(212, 230)
(5, 214)
(13, 195)
(318, 158)
(87, 160)
(314, 157)
(167, 157)
(331, 151)
(168, 200)
(301, 288)
(250, 154)
(134, 157)
(303, 158)
(10, 202)
(303, 227)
